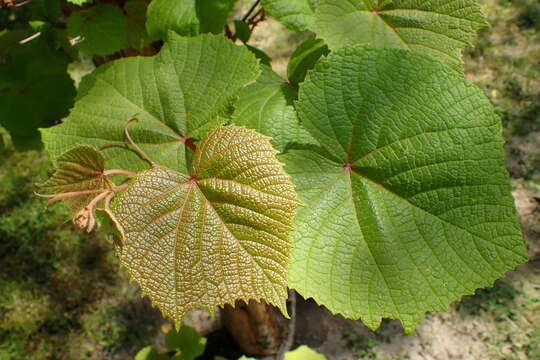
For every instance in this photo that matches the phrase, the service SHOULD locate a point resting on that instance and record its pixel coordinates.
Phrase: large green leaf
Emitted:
(35, 88)
(101, 28)
(178, 95)
(216, 234)
(439, 28)
(295, 14)
(187, 17)
(266, 106)
(411, 208)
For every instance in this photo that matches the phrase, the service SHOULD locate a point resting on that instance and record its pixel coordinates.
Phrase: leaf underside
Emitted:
(439, 28)
(217, 235)
(78, 169)
(410, 209)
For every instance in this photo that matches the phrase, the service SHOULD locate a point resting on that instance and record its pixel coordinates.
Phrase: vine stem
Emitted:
(132, 143)
(118, 172)
(246, 16)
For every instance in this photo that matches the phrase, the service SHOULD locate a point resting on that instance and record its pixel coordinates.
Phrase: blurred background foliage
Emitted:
(62, 295)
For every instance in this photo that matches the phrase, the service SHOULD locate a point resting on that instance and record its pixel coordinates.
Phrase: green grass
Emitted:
(61, 292)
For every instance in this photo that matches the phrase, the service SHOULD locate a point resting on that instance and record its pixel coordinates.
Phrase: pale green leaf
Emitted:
(267, 106)
(295, 14)
(101, 29)
(80, 2)
(439, 28)
(304, 58)
(411, 209)
(178, 95)
(213, 236)
(32, 76)
(304, 353)
(187, 17)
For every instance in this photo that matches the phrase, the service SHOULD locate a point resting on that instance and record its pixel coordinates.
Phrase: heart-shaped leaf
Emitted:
(213, 236)
(439, 28)
(177, 95)
(410, 208)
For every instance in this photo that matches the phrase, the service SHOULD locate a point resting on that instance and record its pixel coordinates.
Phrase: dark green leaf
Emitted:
(242, 31)
(35, 89)
(101, 27)
(304, 58)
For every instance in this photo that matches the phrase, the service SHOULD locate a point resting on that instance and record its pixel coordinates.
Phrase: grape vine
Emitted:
(372, 179)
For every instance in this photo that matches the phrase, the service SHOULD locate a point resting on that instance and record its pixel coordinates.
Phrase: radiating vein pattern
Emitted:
(174, 95)
(417, 211)
(439, 28)
(78, 169)
(216, 235)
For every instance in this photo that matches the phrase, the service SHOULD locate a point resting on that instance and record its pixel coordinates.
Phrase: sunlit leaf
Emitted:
(213, 236)
(410, 208)
(439, 28)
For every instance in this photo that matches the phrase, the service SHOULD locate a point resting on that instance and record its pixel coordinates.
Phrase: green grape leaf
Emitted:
(297, 15)
(174, 102)
(101, 28)
(213, 236)
(411, 209)
(267, 106)
(45, 10)
(213, 14)
(187, 340)
(137, 37)
(187, 17)
(304, 58)
(439, 28)
(32, 76)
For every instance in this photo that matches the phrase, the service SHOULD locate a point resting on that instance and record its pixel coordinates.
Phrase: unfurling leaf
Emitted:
(81, 182)
(410, 208)
(439, 28)
(215, 235)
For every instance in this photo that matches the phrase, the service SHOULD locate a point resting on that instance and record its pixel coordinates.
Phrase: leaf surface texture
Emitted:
(410, 208)
(213, 236)
(439, 28)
